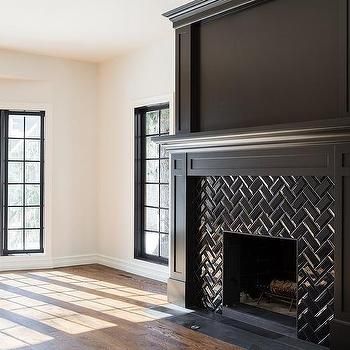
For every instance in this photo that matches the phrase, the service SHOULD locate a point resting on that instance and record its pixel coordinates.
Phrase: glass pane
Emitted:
(16, 126)
(32, 126)
(32, 239)
(164, 220)
(32, 150)
(152, 195)
(32, 172)
(152, 219)
(152, 123)
(15, 172)
(164, 120)
(32, 196)
(164, 171)
(163, 152)
(152, 149)
(164, 196)
(152, 170)
(32, 217)
(164, 246)
(152, 243)
(15, 149)
(15, 217)
(15, 240)
(15, 195)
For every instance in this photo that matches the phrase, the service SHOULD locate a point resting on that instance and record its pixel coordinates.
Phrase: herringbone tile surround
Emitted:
(281, 206)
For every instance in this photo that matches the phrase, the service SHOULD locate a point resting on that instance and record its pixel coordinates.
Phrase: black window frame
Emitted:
(139, 183)
(4, 162)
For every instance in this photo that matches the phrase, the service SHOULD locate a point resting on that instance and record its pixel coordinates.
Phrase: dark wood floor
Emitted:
(91, 307)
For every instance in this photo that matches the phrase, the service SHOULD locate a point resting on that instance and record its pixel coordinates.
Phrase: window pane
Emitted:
(15, 195)
(15, 240)
(152, 149)
(15, 172)
(32, 150)
(15, 217)
(15, 149)
(16, 126)
(164, 120)
(164, 196)
(152, 243)
(164, 220)
(164, 246)
(32, 239)
(32, 126)
(164, 171)
(32, 217)
(152, 219)
(152, 195)
(152, 170)
(152, 123)
(32, 195)
(32, 172)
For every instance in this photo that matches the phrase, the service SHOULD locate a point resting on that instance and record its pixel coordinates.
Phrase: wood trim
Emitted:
(278, 162)
(204, 9)
(290, 135)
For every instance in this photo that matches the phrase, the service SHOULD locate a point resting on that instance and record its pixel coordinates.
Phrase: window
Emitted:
(151, 185)
(22, 187)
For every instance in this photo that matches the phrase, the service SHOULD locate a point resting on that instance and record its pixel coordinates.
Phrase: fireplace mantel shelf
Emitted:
(289, 135)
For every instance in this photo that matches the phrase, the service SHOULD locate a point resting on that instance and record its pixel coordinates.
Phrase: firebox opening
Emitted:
(260, 276)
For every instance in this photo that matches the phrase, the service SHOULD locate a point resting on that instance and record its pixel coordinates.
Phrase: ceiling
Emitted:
(91, 30)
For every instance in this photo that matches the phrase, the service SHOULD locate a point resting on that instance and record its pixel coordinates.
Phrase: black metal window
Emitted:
(151, 185)
(22, 179)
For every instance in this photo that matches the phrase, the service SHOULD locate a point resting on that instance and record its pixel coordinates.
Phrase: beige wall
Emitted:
(123, 83)
(67, 90)
(89, 149)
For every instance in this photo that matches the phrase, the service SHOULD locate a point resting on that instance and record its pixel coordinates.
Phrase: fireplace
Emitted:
(260, 280)
(257, 268)
(260, 157)
(242, 226)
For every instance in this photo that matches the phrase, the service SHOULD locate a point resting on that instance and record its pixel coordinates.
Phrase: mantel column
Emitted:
(177, 258)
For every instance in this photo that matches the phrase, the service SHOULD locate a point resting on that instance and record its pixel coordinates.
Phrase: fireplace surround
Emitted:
(262, 148)
(299, 208)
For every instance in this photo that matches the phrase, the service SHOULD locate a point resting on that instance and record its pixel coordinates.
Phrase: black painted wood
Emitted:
(262, 88)
(178, 213)
(312, 160)
(237, 66)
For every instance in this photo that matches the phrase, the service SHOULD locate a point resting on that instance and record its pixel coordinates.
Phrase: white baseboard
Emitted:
(137, 267)
(74, 260)
(32, 262)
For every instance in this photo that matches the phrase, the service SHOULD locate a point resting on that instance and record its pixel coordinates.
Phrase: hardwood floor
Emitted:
(91, 307)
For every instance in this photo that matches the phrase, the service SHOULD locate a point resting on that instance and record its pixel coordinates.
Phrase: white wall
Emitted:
(89, 149)
(123, 83)
(68, 91)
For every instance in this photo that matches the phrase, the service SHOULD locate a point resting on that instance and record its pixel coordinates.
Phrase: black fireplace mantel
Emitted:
(262, 89)
(322, 150)
(287, 135)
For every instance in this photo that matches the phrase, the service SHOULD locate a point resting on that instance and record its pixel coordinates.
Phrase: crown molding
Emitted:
(199, 10)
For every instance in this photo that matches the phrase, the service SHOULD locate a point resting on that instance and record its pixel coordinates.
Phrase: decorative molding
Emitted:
(198, 10)
(323, 134)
